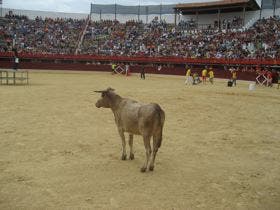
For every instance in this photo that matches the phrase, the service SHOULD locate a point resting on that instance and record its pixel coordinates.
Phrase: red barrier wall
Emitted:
(144, 59)
(83, 62)
(177, 70)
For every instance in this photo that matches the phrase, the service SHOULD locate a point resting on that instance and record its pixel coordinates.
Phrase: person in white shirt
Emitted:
(16, 60)
(126, 69)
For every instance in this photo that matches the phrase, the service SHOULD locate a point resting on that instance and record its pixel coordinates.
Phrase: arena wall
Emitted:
(171, 66)
(219, 70)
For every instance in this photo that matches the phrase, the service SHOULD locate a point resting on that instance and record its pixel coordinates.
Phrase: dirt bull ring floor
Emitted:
(220, 150)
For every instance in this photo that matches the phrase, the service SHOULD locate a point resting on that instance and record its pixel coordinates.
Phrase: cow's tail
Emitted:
(161, 119)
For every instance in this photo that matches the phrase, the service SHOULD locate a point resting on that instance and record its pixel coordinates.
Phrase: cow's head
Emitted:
(105, 100)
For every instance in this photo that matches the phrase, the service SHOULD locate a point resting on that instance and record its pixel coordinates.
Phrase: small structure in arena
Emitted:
(8, 76)
(135, 118)
(119, 69)
(261, 79)
(122, 69)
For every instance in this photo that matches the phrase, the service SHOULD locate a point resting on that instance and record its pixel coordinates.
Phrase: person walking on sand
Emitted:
(211, 75)
(233, 76)
(204, 75)
(142, 75)
(269, 79)
(127, 69)
(188, 76)
(278, 77)
(113, 66)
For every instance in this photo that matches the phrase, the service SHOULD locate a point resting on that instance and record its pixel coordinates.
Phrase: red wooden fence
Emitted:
(85, 62)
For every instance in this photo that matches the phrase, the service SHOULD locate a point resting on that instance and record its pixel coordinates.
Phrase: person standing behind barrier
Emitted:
(142, 72)
(188, 75)
(204, 75)
(211, 75)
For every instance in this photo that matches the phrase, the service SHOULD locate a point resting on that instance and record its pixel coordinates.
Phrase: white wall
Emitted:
(95, 16)
(169, 18)
(203, 19)
(33, 14)
(209, 19)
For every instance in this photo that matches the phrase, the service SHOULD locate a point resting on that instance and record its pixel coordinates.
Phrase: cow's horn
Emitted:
(111, 89)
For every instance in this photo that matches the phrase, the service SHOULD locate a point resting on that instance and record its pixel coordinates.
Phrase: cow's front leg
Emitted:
(148, 152)
(131, 155)
(123, 144)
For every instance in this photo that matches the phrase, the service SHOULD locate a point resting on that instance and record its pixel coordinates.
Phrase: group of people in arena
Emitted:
(106, 37)
(268, 77)
(194, 79)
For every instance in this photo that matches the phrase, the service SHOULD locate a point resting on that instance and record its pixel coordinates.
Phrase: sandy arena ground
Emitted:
(221, 145)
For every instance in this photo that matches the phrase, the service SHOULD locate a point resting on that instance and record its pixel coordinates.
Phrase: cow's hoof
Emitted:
(143, 169)
(151, 168)
(123, 157)
(131, 156)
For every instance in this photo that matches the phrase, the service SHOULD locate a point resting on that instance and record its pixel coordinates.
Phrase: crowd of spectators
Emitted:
(134, 38)
(40, 35)
(262, 40)
(228, 24)
(187, 24)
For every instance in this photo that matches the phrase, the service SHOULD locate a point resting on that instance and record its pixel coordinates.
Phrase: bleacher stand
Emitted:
(133, 38)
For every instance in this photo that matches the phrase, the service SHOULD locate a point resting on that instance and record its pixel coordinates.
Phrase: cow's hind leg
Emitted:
(131, 155)
(148, 152)
(123, 144)
(154, 153)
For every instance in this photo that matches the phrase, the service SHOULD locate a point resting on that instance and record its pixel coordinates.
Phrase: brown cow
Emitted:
(135, 118)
